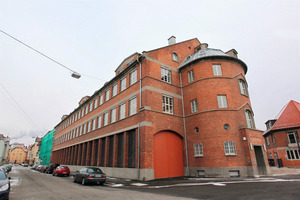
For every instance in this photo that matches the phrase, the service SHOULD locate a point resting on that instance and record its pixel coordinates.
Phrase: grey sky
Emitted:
(93, 38)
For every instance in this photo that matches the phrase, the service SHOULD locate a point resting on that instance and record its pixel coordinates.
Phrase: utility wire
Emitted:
(18, 105)
(47, 56)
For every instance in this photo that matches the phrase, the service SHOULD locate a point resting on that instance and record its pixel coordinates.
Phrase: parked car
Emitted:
(39, 168)
(89, 175)
(61, 171)
(25, 165)
(51, 168)
(44, 169)
(4, 186)
(34, 166)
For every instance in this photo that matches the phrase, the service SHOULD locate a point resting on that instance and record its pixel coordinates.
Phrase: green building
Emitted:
(46, 148)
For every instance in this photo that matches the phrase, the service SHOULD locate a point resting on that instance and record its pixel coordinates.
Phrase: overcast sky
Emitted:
(93, 37)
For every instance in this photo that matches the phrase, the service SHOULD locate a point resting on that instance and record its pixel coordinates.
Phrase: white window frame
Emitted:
(93, 124)
(113, 115)
(267, 140)
(194, 105)
(99, 122)
(105, 119)
(107, 95)
(79, 131)
(217, 70)
(83, 129)
(132, 106)
(243, 87)
(115, 90)
(166, 75)
(91, 107)
(101, 99)
(229, 148)
(95, 102)
(123, 84)
(86, 109)
(167, 104)
(133, 77)
(249, 119)
(294, 134)
(88, 125)
(191, 76)
(122, 111)
(198, 150)
(222, 101)
(292, 154)
(175, 57)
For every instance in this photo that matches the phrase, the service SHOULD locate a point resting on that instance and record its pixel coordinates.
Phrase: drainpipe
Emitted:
(139, 148)
(184, 129)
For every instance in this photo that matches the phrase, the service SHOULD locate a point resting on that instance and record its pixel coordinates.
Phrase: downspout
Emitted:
(184, 129)
(139, 147)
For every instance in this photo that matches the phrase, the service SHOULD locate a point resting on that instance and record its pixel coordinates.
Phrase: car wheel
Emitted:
(101, 183)
(53, 174)
(83, 182)
(74, 179)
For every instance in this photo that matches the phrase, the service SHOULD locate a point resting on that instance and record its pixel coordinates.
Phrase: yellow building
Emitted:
(18, 155)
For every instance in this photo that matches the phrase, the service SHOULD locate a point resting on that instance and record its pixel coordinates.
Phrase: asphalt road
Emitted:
(28, 184)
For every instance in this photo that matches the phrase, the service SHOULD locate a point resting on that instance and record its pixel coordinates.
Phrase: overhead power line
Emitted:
(73, 72)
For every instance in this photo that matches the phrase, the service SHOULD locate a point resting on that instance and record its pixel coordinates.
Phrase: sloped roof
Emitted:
(209, 53)
(288, 117)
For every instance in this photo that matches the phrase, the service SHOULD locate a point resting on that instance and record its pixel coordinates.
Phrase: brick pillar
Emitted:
(88, 158)
(106, 152)
(115, 156)
(69, 155)
(99, 152)
(83, 157)
(72, 155)
(125, 155)
(93, 153)
(78, 154)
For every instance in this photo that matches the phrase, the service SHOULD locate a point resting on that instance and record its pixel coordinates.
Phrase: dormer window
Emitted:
(174, 57)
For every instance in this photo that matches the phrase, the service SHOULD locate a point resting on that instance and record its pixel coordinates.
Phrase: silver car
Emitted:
(89, 175)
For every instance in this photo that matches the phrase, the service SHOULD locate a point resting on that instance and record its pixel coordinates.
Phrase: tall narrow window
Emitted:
(79, 130)
(122, 110)
(101, 100)
(88, 127)
(249, 119)
(229, 148)
(107, 93)
(132, 106)
(198, 150)
(191, 75)
(111, 151)
(222, 101)
(83, 129)
(217, 70)
(93, 124)
(103, 147)
(243, 87)
(267, 140)
(166, 75)
(113, 115)
(133, 77)
(131, 149)
(194, 105)
(105, 119)
(91, 107)
(174, 57)
(95, 102)
(114, 90)
(120, 150)
(99, 121)
(167, 104)
(123, 84)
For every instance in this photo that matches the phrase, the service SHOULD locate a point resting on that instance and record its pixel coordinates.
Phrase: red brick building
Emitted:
(182, 109)
(282, 137)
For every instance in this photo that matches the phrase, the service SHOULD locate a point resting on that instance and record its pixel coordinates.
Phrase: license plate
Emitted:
(64, 172)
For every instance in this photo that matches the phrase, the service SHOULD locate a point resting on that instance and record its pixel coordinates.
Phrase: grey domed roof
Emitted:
(209, 53)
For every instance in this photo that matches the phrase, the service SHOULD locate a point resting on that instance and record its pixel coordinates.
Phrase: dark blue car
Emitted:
(4, 186)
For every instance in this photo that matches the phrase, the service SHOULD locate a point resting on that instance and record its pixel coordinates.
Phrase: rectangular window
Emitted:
(167, 103)
(95, 102)
(101, 100)
(222, 101)
(122, 110)
(103, 145)
(198, 150)
(191, 75)
(107, 95)
(111, 151)
(229, 148)
(292, 138)
(83, 129)
(82, 112)
(114, 90)
(133, 77)
(120, 150)
(88, 127)
(105, 119)
(217, 70)
(113, 115)
(91, 107)
(243, 87)
(99, 121)
(93, 124)
(166, 75)
(79, 131)
(175, 57)
(132, 106)
(194, 105)
(131, 149)
(123, 84)
(267, 140)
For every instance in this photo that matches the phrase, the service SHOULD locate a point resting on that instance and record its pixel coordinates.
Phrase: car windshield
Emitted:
(91, 170)
(2, 176)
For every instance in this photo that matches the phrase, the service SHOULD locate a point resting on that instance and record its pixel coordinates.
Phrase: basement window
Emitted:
(201, 173)
(234, 173)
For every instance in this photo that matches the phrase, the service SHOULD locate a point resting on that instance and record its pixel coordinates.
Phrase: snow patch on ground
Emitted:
(138, 184)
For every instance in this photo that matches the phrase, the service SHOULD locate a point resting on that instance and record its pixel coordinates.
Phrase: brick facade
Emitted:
(157, 102)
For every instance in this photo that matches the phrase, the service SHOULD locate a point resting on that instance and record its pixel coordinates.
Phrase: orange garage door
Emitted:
(168, 155)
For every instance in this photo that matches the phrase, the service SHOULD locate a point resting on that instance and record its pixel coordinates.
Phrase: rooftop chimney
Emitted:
(203, 46)
(232, 53)
(172, 40)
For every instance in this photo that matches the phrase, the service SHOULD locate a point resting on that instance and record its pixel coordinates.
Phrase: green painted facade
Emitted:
(46, 148)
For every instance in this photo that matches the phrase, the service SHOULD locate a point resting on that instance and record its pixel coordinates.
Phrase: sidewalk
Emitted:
(285, 174)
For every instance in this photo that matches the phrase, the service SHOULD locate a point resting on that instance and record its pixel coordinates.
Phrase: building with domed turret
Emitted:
(179, 110)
